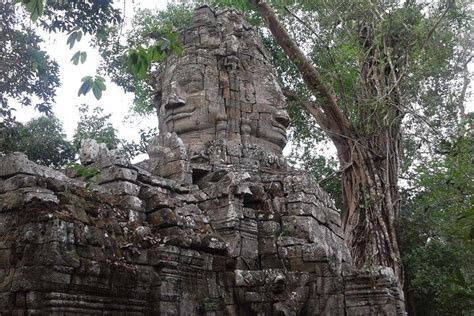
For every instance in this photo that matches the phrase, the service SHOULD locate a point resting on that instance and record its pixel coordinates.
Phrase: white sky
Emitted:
(113, 101)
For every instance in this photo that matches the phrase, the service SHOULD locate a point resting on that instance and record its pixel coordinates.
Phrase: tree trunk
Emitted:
(371, 203)
(369, 163)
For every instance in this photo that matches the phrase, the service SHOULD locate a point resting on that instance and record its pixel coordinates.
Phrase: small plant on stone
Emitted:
(206, 304)
(87, 173)
(285, 231)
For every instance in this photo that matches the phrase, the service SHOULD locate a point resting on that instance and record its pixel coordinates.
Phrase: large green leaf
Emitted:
(86, 85)
(100, 84)
(75, 58)
(83, 57)
(71, 40)
(35, 8)
(74, 37)
(96, 90)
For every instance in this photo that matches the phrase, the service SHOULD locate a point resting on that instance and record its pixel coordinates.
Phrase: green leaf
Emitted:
(83, 57)
(86, 85)
(96, 90)
(71, 40)
(34, 66)
(78, 35)
(100, 84)
(75, 58)
(97, 85)
(74, 37)
(151, 53)
(143, 67)
(133, 58)
(35, 8)
(177, 49)
(88, 174)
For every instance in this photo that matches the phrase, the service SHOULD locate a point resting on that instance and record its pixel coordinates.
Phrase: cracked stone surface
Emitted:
(215, 222)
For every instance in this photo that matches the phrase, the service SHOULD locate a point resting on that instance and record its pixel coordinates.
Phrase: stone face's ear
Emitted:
(158, 100)
(153, 147)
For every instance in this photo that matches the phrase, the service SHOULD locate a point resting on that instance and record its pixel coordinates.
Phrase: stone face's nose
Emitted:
(281, 117)
(174, 103)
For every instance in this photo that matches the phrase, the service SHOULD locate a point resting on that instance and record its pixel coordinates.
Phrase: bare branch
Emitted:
(433, 28)
(465, 84)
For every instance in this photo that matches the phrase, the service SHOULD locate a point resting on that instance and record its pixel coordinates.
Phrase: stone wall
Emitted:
(237, 241)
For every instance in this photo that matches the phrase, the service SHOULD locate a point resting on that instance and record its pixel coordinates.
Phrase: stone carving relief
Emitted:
(222, 87)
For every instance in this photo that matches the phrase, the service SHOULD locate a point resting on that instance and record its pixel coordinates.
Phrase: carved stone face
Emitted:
(184, 108)
(272, 127)
(270, 105)
(222, 89)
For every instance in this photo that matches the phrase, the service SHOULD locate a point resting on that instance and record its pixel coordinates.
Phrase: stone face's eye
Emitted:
(191, 80)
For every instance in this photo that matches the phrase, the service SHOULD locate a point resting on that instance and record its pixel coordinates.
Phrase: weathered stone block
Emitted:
(18, 181)
(249, 248)
(273, 262)
(269, 228)
(305, 227)
(316, 252)
(20, 197)
(164, 217)
(114, 173)
(121, 188)
(267, 246)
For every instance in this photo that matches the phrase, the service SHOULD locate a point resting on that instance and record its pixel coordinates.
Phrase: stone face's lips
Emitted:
(279, 127)
(179, 113)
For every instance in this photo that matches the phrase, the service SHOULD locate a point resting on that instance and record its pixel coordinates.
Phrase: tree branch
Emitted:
(326, 47)
(431, 31)
(311, 76)
(341, 141)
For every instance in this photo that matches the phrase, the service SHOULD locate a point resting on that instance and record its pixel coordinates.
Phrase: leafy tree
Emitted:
(129, 61)
(93, 124)
(41, 139)
(27, 73)
(132, 149)
(88, 16)
(437, 232)
(365, 67)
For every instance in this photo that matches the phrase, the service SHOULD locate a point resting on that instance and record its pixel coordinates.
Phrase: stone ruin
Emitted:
(215, 222)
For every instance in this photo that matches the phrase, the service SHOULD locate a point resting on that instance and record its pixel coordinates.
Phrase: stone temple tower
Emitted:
(215, 222)
(222, 87)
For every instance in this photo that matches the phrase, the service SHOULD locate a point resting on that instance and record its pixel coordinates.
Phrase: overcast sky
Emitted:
(113, 101)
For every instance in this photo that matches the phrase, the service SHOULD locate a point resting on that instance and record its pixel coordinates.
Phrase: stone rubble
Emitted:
(215, 222)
